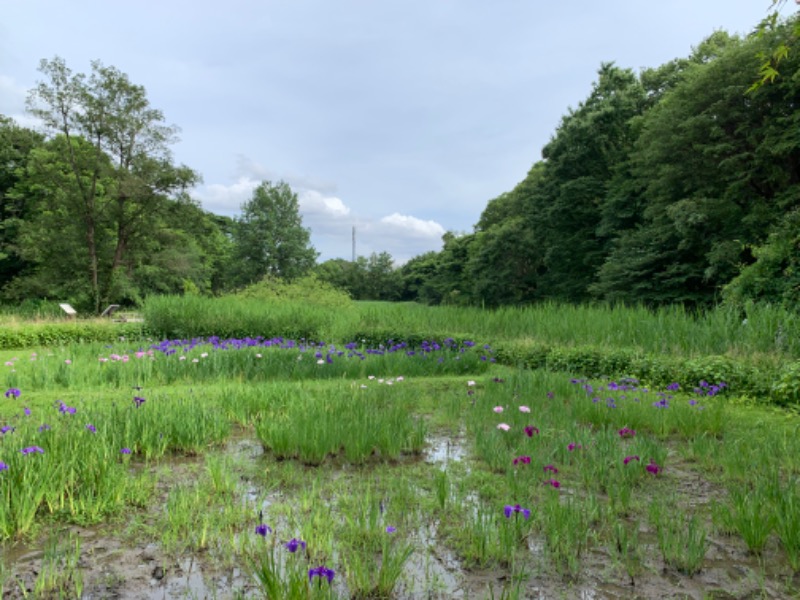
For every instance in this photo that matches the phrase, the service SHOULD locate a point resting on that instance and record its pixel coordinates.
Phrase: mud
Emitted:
(112, 567)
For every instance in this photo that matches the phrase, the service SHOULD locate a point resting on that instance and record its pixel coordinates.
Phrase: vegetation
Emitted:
(293, 468)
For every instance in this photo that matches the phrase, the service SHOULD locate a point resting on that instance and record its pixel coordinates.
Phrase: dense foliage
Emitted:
(679, 184)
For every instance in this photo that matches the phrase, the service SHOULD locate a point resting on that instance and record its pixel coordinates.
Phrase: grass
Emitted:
(330, 446)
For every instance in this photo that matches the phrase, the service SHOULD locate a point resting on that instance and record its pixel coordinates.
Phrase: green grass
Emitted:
(335, 452)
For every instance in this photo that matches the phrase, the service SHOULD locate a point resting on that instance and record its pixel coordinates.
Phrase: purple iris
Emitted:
(293, 544)
(509, 510)
(32, 450)
(3, 466)
(91, 428)
(13, 392)
(125, 451)
(321, 571)
(263, 529)
(138, 401)
(63, 408)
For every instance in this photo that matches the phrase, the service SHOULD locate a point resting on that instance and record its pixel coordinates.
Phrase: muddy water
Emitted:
(115, 569)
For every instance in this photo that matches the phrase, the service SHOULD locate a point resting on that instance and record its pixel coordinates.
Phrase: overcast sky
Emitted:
(401, 118)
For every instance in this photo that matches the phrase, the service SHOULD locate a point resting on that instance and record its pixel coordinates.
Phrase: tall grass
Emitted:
(755, 329)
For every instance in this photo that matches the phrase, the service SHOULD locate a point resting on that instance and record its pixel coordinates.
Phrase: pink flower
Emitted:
(524, 409)
(555, 483)
(530, 430)
(68, 362)
(628, 459)
(550, 468)
(504, 426)
(626, 433)
(498, 409)
(653, 468)
(574, 446)
(525, 460)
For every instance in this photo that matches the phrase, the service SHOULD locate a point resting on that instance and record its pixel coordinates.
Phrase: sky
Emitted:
(399, 118)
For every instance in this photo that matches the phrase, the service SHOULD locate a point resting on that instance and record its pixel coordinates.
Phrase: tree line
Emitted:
(679, 184)
(676, 184)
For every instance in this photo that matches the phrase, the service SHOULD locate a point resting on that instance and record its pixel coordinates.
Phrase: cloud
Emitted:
(331, 221)
(313, 202)
(226, 199)
(412, 226)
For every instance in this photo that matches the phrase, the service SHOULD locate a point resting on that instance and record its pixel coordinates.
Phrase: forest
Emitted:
(676, 184)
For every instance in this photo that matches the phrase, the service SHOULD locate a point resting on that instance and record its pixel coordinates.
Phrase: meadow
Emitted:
(238, 448)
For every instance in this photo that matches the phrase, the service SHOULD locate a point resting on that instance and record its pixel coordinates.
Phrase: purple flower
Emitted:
(530, 430)
(321, 572)
(3, 466)
(628, 459)
(550, 469)
(91, 428)
(509, 510)
(525, 460)
(6, 429)
(653, 468)
(12, 392)
(27, 412)
(675, 386)
(574, 446)
(138, 401)
(32, 450)
(263, 530)
(391, 529)
(554, 482)
(64, 409)
(626, 433)
(44, 427)
(125, 451)
(293, 544)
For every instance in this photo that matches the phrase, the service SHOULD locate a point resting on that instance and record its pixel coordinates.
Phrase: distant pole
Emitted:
(354, 243)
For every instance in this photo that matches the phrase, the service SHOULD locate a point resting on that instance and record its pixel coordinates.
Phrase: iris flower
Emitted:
(13, 392)
(321, 571)
(630, 458)
(293, 544)
(3, 466)
(509, 510)
(530, 430)
(263, 530)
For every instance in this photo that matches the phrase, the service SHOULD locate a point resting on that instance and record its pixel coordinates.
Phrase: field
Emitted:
(339, 458)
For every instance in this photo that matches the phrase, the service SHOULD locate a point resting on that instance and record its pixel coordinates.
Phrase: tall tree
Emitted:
(269, 237)
(119, 170)
(16, 144)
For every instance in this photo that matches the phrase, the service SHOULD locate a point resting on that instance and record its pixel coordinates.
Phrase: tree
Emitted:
(16, 144)
(269, 237)
(112, 168)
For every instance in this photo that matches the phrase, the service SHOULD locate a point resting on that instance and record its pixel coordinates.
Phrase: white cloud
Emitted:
(226, 199)
(412, 226)
(313, 202)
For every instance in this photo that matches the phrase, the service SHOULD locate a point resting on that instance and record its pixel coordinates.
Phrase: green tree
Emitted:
(718, 169)
(16, 143)
(113, 166)
(269, 237)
